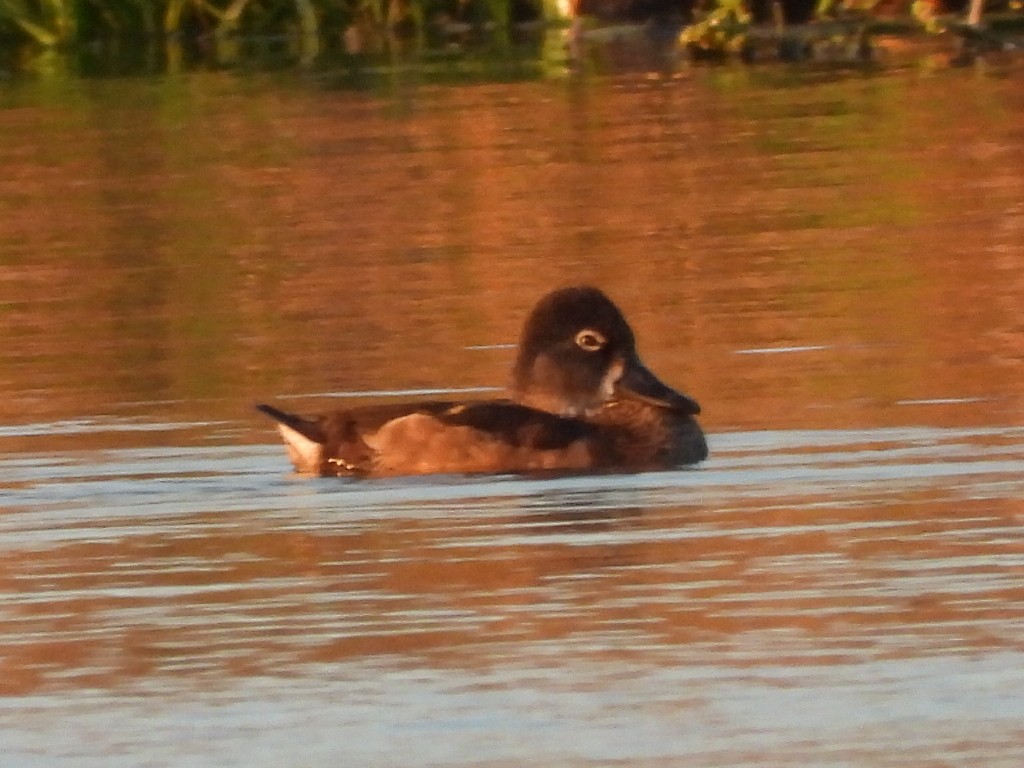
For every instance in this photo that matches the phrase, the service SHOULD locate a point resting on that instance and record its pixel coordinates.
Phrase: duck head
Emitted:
(577, 353)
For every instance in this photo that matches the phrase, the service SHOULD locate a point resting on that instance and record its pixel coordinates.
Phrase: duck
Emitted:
(580, 400)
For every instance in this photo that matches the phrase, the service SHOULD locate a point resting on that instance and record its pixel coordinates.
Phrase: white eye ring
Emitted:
(590, 340)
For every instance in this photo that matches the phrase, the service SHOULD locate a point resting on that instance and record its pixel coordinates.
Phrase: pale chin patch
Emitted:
(611, 380)
(568, 404)
(605, 393)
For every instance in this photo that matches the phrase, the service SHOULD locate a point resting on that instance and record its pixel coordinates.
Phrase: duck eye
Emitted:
(590, 340)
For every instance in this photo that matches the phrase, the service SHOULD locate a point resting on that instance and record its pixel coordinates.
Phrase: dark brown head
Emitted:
(577, 352)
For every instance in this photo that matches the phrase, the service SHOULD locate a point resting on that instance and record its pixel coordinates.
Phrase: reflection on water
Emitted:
(832, 263)
(792, 595)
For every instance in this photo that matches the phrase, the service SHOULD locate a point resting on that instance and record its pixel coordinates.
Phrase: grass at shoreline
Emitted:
(170, 33)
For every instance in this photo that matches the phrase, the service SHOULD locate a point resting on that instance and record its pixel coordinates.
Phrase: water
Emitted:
(832, 262)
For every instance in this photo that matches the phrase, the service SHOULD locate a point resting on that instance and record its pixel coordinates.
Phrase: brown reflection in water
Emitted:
(805, 583)
(214, 241)
(210, 242)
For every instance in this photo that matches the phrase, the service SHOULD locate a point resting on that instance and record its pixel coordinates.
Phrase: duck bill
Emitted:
(638, 383)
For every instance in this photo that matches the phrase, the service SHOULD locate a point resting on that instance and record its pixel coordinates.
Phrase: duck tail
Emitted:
(303, 438)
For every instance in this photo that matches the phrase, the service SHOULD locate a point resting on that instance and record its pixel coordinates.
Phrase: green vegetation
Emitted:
(843, 31)
(719, 28)
(54, 23)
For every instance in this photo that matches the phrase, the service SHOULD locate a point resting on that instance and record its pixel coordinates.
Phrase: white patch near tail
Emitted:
(305, 454)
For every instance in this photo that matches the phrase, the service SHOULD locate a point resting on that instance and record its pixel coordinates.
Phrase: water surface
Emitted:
(832, 262)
